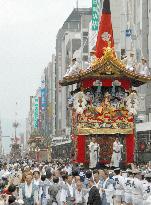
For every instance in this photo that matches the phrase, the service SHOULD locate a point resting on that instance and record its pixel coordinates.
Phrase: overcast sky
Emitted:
(28, 31)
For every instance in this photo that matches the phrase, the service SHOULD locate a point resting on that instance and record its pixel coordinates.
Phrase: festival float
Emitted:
(15, 152)
(105, 102)
(38, 147)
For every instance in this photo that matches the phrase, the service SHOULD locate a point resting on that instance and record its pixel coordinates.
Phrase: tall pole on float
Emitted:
(15, 124)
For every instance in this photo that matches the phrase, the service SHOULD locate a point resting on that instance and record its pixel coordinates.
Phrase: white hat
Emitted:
(129, 170)
(148, 175)
(132, 52)
(136, 171)
(117, 169)
(143, 58)
(36, 170)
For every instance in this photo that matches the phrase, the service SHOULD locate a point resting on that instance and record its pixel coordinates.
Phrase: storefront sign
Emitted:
(36, 111)
(43, 99)
(95, 14)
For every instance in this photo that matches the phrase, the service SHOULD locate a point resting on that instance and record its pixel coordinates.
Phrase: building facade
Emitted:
(53, 95)
(71, 42)
(149, 36)
(139, 22)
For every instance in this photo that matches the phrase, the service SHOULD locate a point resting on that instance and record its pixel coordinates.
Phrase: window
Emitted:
(85, 45)
(85, 58)
(85, 33)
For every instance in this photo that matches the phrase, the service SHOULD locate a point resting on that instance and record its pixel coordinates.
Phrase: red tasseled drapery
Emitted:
(81, 148)
(126, 84)
(130, 146)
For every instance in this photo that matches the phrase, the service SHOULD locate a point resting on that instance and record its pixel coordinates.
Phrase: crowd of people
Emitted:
(32, 183)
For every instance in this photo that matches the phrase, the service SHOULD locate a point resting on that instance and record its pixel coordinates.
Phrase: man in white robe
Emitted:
(73, 69)
(119, 187)
(94, 149)
(137, 188)
(147, 190)
(143, 67)
(81, 194)
(67, 195)
(116, 156)
(4, 172)
(128, 187)
(92, 56)
(130, 62)
(107, 190)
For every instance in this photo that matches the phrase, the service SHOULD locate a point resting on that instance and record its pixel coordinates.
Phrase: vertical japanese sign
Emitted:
(95, 14)
(40, 116)
(43, 99)
(36, 111)
(43, 93)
